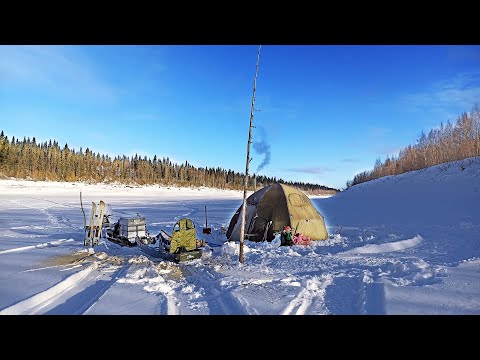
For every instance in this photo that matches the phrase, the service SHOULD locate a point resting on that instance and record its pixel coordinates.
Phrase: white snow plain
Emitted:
(406, 244)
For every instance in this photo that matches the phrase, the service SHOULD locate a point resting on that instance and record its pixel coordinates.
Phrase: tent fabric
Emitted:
(273, 207)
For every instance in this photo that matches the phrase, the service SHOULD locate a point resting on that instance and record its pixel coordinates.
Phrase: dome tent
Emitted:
(273, 207)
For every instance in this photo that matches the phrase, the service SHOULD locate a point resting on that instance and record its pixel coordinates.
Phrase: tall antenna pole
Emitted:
(245, 184)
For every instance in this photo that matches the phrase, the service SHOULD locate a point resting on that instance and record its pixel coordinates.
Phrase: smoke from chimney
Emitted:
(263, 148)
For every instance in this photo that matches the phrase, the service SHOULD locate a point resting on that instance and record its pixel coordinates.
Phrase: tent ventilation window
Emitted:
(296, 200)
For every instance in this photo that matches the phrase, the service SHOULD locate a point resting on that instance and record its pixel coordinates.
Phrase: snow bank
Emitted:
(382, 248)
(232, 248)
(440, 195)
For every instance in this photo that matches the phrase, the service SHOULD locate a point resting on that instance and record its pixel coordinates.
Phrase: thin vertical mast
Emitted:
(245, 184)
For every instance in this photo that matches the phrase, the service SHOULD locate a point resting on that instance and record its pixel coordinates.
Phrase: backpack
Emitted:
(184, 236)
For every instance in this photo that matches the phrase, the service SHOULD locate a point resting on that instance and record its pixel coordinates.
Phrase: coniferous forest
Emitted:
(29, 159)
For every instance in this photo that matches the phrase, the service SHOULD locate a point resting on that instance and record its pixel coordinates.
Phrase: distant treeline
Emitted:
(444, 144)
(27, 159)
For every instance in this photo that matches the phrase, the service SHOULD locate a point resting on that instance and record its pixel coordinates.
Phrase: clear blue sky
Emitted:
(326, 112)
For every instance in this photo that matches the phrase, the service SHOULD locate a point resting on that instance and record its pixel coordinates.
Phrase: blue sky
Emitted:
(325, 113)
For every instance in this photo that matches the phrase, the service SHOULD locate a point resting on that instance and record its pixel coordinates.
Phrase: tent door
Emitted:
(250, 216)
(267, 227)
(250, 219)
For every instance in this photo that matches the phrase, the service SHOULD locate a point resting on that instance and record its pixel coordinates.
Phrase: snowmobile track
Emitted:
(65, 297)
(310, 299)
(219, 302)
(355, 295)
(37, 303)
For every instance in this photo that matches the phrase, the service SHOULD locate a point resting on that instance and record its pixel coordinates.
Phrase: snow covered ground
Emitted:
(407, 244)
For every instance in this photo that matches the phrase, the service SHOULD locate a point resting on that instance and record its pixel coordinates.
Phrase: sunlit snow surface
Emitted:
(407, 244)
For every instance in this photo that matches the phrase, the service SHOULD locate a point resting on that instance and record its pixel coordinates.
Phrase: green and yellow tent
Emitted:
(273, 207)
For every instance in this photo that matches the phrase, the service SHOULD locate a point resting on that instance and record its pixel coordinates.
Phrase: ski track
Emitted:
(189, 213)
(75, 295)
(36, 303)
(39, 246)
(55, 222)
(172, 307)
(98, 294)
(56, 203)
(53, 267)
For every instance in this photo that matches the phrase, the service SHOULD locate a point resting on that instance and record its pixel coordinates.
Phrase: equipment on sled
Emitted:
(181, 245)
(126, 231)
